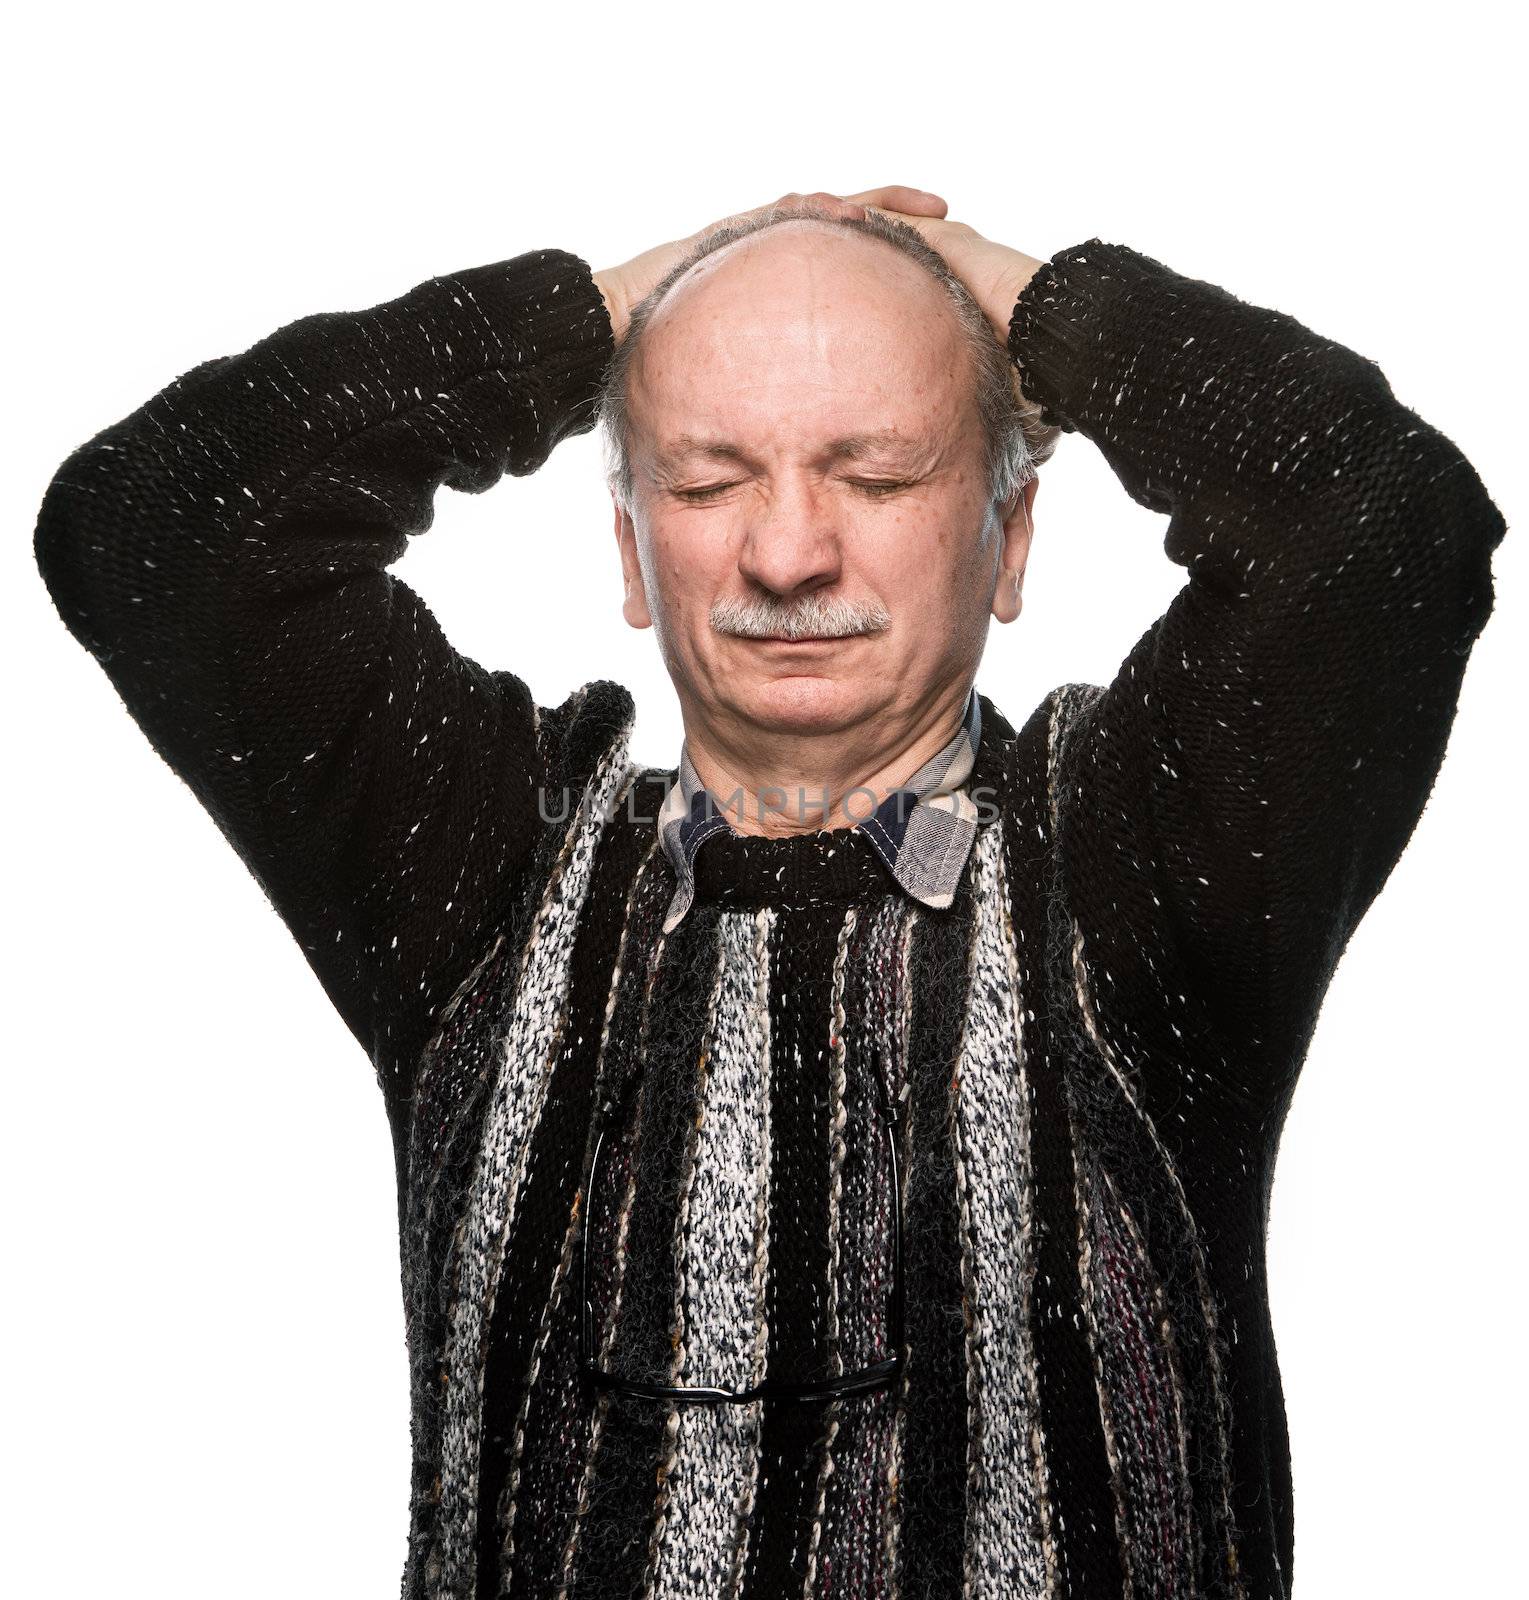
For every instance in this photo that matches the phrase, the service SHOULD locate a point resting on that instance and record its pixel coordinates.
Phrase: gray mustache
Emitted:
(811, 617)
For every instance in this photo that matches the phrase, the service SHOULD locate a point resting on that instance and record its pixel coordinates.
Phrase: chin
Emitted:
(804, 704)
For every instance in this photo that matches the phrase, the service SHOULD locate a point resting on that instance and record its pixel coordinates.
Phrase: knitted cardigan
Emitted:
(1090, 1052)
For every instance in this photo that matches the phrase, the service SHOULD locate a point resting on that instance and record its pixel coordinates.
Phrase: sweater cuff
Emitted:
(1060, 330)
(546, 310)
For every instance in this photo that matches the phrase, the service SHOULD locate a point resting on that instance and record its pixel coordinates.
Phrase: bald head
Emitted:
(807, 331)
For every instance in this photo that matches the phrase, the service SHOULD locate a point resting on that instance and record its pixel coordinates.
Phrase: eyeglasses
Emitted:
(867, 1379)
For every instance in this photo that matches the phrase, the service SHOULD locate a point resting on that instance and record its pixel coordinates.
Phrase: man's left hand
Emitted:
(993, 272)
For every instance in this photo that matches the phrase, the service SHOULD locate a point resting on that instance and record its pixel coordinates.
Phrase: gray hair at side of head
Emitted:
(1018, 441)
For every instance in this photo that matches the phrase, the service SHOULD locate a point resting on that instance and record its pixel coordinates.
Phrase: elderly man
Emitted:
(836, 1164)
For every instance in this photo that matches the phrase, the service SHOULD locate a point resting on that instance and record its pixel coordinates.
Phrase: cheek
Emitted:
(929, 554)
(686, 566)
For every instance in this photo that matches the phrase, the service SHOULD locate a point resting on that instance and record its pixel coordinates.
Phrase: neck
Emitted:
(777, 784)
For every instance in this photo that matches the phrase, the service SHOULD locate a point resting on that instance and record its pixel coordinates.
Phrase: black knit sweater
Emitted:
(1091, 1051)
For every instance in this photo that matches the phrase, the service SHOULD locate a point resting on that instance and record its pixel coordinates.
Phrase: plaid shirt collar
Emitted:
(922, 832)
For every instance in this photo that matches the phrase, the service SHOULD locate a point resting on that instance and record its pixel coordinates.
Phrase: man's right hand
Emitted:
(625, 286)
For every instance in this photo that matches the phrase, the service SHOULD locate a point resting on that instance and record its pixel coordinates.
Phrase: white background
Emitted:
(206, 1387)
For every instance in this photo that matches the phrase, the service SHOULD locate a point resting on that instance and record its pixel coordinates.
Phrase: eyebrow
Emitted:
(850, 447)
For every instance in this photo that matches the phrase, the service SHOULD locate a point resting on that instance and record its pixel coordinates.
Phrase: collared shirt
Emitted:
(922, 832)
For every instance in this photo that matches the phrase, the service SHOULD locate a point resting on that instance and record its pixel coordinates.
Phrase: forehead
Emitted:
(682, 448)
(841, 346)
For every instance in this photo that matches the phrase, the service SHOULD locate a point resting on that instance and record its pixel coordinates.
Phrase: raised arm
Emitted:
(1261, 758)
(223, 553)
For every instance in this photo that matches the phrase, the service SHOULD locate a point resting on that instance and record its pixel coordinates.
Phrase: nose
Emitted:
(791, 545)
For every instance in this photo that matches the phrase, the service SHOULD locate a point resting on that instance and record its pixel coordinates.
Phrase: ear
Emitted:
(1018, 526)
(634, 604)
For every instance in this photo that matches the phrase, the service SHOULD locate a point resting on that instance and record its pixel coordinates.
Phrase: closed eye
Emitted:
(872, 487)
(708, 493)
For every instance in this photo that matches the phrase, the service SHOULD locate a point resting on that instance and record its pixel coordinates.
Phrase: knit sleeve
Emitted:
(223, 553)
(1259, 761)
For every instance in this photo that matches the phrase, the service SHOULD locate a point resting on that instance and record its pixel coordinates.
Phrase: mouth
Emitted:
(806, 640)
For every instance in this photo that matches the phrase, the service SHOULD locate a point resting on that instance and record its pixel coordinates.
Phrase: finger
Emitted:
(820, 200)
(833, 204)
(899, 197)
(908, 219)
